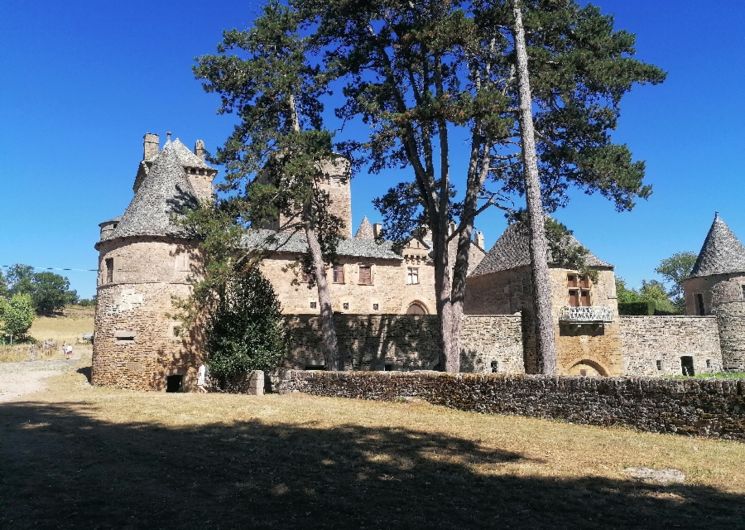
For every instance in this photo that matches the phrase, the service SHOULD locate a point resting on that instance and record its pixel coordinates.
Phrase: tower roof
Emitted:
(512, 250)
(365, 231)
(721, 253)
(164, 193)
(186, 157)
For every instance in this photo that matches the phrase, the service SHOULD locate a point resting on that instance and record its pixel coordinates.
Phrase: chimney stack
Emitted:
(480, 240)
(150, 146)
(377, 230)
(200, 150)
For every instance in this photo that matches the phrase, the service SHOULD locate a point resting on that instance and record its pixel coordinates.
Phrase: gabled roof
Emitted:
(512, 250)
(164, 193)
(721, 253)
(295, 243)
(365, 231)
(186, 157)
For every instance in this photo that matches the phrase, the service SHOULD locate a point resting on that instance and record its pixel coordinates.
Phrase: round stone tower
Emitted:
(716, 286)
(145, 261)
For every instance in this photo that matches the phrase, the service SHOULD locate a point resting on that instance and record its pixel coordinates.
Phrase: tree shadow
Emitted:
(61, 467)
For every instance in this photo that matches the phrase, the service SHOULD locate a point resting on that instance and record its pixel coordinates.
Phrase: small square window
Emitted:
(708, 363)
(376, 307)
(313, 305)
(345, 305)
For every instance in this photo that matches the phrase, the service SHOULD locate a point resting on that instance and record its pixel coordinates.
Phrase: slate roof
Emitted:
(164, 193)
(295, 243)
(186, 157)
(721, 253)
(365, 231)
(512, 250)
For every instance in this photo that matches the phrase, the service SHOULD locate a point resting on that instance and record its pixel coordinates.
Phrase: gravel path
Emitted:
(19, 379)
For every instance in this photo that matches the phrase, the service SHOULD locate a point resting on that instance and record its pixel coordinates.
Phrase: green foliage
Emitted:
(50, 292)
(17, 315)
(3, 285)
(674, 270)
(624, 294)
(245, 331)
(273, 157)
(636, 308)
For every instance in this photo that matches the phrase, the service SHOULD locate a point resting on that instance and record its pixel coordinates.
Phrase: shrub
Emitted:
(246, 331)
(17, 315)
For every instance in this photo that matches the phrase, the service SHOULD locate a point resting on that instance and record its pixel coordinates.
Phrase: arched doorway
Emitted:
(417, 308)
(588, 368)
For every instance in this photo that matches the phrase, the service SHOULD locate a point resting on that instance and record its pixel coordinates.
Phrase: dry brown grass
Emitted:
(76, 455)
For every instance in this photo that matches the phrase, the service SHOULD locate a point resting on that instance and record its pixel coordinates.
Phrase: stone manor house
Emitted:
(384, 300)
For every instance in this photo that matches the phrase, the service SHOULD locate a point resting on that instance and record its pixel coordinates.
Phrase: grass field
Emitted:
(81, 456)
(64, 328)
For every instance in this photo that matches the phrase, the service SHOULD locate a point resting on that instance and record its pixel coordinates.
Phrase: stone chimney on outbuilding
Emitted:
(200, 150)
(480, 240)
(150, 146)
(377, 229)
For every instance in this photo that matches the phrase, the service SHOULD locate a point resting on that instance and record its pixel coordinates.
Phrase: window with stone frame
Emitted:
(365, 275)
(579, 287)
(109, 270)
(743, 291)
(338, 276)
(412, 276)
(700, 307)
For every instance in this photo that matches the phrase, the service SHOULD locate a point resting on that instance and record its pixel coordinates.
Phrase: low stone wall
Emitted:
(654, 345)
(408, 342)
(694, 407)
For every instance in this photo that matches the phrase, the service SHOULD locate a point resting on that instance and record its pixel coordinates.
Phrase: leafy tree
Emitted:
(20, 279)
(50, 292)
(245, 332)
(3, 285)
(674, 270)
(17, 315)
(274, 156)
(624, 294)
(654, 291)
(428, 77)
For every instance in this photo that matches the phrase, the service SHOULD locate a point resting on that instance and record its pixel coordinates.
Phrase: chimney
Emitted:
(377, 230)
(480, 240)
(451, 228)
(150, 146)
(199, 149)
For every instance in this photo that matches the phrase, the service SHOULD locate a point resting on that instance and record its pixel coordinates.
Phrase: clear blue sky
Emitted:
(81, 81)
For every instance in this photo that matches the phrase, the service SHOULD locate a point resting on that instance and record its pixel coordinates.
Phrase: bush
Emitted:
(246, 330)
(17, 315)
(636, 308)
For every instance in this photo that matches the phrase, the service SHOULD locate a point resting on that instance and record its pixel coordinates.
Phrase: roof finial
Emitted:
(168, 136)
(716, 215)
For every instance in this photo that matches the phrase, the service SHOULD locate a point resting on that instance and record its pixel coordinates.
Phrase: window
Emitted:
(345, 306)
(109, 270)
(743, 292)
(124, 337)
(700, 304)
(412, 276)
(376, 307)
(338, 273)
(313, 304)
(365, 275)
(659, 365)
(686, 365)
(494, 367)
(579, 290)
(176, 331)
(708, 363)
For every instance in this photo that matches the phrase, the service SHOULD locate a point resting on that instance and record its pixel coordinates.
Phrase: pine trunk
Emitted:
(447, 317)
(328, 330)
(545, 343)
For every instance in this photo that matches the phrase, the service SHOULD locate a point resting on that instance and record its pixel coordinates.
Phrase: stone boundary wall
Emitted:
(649, 340)
(711, 408)
(408, 342)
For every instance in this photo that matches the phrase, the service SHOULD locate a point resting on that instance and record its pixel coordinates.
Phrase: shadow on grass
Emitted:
(59, 467)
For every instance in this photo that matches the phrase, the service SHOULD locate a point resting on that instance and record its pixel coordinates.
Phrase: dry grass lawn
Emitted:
(79, 456)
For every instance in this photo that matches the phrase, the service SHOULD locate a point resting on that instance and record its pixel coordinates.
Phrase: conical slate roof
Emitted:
(512, 250)
(365, 231)
(186, 157)
(164, 193)
(721, 253)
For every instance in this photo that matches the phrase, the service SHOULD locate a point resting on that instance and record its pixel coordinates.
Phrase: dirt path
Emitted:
(20, 379)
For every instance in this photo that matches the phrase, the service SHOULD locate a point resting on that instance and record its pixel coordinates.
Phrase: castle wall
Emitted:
(407, 342)
(137, 344)
(592, 348)
(724, 296)
(388, 290)
(647, 340)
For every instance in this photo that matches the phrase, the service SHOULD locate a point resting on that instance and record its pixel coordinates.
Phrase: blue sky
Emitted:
(82, 81)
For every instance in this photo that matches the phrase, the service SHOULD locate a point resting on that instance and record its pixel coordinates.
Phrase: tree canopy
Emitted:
(16, 316)
(49, 292)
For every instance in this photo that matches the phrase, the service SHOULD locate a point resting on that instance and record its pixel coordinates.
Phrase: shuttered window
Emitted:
(365, 275)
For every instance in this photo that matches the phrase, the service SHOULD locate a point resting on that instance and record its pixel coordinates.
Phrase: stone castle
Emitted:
(384, 300)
